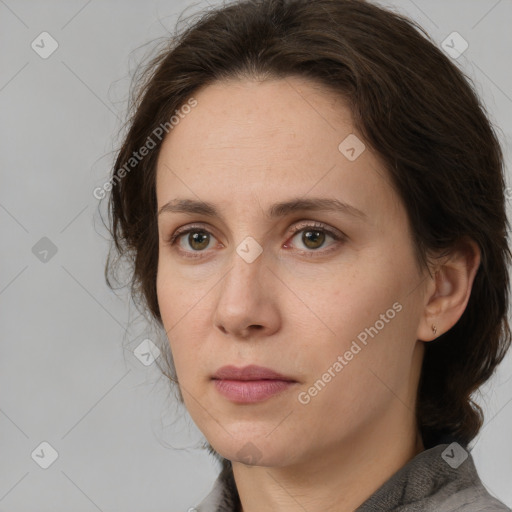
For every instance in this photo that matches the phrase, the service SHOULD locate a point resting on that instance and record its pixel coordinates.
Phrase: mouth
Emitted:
(250, 384)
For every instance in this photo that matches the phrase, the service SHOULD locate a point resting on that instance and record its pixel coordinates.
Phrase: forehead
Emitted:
(244, 114)
(265, 139)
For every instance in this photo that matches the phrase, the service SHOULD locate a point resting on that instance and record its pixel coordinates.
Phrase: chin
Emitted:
(257, 450)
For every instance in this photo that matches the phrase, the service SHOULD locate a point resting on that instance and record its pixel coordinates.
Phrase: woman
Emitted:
(321, 231)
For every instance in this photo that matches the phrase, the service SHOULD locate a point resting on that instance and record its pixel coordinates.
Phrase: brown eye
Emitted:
(193, 242)
(313, 239)
(198, 240)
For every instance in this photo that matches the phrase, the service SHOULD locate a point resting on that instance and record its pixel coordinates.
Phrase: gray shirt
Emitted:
(440, 479)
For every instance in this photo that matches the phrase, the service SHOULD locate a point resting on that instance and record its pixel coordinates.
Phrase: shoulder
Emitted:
(473, 499)
(440, 479)
(461, 489)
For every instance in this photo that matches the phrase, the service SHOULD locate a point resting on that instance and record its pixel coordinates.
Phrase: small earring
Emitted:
(434, 329)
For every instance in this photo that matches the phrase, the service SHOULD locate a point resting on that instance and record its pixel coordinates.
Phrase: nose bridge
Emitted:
(244, 299)
(247, 266)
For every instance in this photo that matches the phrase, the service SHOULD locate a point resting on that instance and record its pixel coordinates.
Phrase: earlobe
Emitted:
(449, 290)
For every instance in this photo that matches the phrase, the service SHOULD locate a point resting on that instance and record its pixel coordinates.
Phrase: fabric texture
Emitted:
(441, 479)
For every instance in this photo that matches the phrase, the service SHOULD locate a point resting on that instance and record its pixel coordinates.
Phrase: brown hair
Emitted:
(439, 148)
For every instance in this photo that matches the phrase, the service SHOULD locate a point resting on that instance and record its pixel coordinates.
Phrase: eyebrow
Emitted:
(276, 210)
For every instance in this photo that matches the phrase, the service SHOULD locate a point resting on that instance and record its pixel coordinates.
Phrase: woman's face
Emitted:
(299, 261)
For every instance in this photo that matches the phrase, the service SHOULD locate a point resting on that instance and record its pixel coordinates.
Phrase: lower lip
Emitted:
(250, 391)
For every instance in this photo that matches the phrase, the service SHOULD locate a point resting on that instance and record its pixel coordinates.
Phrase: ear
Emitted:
(449, 289)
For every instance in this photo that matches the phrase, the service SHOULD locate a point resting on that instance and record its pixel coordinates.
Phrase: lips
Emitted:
(250, 384)
(251, 372)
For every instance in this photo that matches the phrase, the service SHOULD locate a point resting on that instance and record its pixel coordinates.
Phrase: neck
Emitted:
(339, 479)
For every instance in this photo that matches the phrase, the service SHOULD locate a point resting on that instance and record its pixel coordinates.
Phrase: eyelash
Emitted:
(337, 236)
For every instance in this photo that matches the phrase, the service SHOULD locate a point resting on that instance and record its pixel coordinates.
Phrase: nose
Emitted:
(247, 300)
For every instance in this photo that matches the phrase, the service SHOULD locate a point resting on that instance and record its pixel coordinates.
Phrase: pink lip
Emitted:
(250, 384)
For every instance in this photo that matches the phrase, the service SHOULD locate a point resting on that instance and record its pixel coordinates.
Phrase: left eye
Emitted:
(313, 237)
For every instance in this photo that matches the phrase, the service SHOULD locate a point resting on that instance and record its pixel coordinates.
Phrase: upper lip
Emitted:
(251, 372)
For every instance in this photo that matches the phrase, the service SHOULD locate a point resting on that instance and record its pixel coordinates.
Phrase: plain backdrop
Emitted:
(69, 377)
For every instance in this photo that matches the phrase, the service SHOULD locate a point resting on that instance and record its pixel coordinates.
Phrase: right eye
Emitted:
(192, 240)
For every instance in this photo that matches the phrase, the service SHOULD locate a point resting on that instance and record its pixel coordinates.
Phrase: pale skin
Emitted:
(247, 146)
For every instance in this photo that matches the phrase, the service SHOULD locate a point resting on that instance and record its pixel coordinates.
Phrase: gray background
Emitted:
(68, 374)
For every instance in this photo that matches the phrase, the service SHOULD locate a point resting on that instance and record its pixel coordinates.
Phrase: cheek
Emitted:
(183, 306)
(364, 312)
(352, 296)
(174, 303)
(178, 294)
